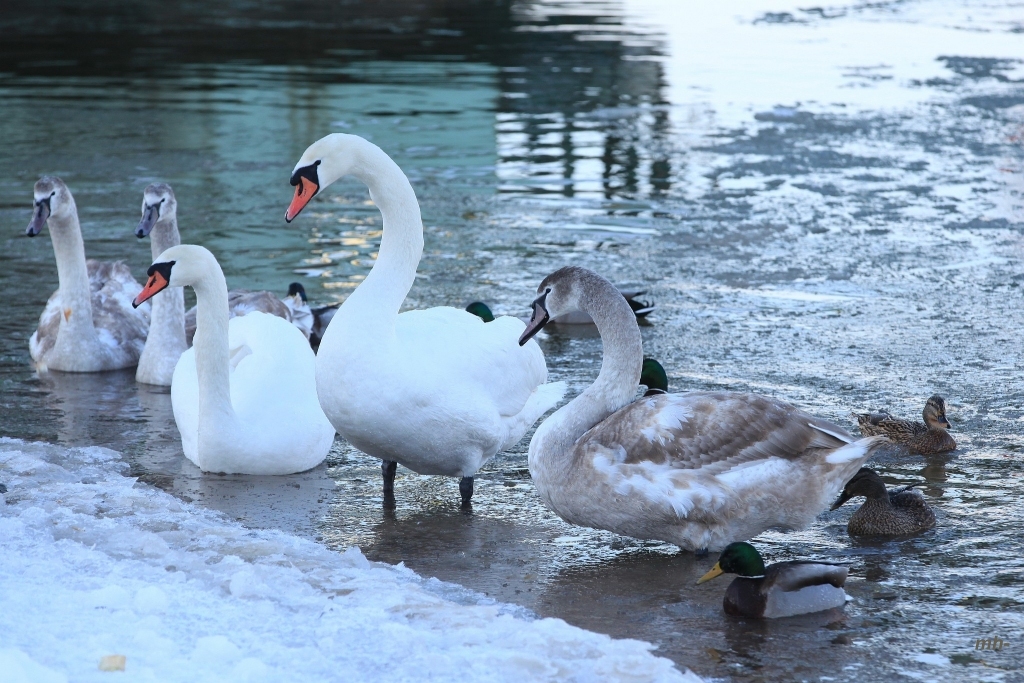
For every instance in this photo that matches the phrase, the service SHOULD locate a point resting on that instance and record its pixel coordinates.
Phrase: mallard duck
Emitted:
(885, 513)
(784, 589)
(700, 469)
(314, 321)
(654, 377)
(925, 439)
(481, 310)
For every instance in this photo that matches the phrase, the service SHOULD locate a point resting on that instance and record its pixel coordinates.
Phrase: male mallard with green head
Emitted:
(925, 439)
(897, 512)
(654, 377)
(784, 589)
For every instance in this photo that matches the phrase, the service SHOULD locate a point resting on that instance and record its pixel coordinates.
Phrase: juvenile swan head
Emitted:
(158, 204)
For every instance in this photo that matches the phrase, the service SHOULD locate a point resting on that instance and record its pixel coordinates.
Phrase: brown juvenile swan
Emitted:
(701, 469)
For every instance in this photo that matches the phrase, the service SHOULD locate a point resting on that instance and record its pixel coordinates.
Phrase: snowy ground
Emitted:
(95, 565)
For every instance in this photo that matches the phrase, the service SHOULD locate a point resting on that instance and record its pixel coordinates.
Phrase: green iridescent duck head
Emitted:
(737, 558)
(654, 377)
(481, 310)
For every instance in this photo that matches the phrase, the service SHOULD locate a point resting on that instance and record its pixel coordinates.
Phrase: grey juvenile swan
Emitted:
(700, 470)
(88, 324)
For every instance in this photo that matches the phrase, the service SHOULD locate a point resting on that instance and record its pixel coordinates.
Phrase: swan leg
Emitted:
(388, 469)
(466, 489)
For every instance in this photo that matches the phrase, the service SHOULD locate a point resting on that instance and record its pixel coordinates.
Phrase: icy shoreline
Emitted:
(95, 565)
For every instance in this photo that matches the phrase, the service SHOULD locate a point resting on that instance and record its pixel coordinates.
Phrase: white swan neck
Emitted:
(378, 299)
(616, 384)
(211, 349)
(72, 273)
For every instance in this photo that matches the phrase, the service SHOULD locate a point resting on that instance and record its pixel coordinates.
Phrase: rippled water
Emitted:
(824, 203)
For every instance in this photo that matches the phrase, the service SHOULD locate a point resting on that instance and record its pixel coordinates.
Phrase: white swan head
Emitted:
(158, 204)
(180, 266)
(568, 289)
(325, 161)
(51, 197)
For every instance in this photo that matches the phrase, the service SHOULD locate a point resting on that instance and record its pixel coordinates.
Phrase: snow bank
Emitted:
(92, 564)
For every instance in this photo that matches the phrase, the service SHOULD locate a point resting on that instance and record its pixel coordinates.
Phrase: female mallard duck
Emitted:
(924, 439)
(897, 512)
(699, 470)
(784, 589)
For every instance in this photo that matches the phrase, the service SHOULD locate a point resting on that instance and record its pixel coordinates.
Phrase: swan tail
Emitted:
(849, 459)
(542, 399)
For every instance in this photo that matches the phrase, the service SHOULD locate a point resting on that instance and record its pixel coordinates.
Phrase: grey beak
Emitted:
(149, 218)
(538, 320)
(39, 216)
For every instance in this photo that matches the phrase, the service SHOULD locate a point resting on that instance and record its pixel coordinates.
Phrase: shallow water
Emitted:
(824, 204)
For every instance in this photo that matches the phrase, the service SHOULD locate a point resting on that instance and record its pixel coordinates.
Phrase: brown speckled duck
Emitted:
(926, 439)
(897, 512)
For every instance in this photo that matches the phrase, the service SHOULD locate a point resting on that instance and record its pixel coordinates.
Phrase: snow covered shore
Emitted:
(92, 564)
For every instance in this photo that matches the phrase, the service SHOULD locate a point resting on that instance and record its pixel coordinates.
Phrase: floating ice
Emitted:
(94, 564)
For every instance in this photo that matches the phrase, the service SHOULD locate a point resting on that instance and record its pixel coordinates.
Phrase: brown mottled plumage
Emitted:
(111, 287)
(923, 438)
(897, 512)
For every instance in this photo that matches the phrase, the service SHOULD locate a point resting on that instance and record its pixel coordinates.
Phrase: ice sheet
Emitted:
(95, 565)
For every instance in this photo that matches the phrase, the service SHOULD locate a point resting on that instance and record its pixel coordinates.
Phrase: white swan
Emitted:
(437, 390)
(244, 396)
(88, 324)
(166, 340)
(700, 469)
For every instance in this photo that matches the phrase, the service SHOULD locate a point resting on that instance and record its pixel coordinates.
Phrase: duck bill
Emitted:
(538, 320)
(159, 279)
(39, 216)
(305, 190)
(843, 497)
(715, 571)
(149, 218)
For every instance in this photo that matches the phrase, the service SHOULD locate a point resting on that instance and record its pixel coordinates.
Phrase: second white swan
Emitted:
(244, 396)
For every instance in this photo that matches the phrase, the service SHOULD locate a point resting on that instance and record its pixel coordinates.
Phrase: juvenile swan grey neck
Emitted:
(166, 340)
(381, 294)
(72, 272)
(621, 363)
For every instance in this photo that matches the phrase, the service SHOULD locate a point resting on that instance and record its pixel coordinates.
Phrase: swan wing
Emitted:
(481, 361)
(273, 392)
(117, 322)
(714, 432)
(45, 336)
